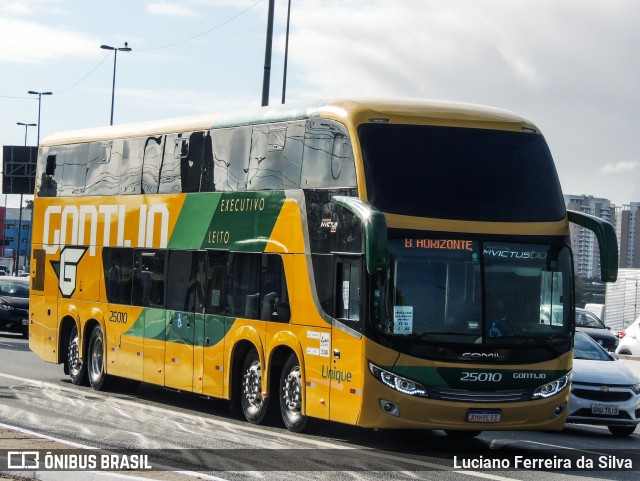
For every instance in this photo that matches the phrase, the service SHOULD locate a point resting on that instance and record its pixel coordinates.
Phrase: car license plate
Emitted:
(605, 409)
(484, 415)
(25, 322)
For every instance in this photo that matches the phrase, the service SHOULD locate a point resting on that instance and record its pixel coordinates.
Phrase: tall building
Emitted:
(627, 218)
(15, 238)
(586, 252)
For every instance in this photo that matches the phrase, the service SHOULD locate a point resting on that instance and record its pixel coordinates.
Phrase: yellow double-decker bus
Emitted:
(385, 264)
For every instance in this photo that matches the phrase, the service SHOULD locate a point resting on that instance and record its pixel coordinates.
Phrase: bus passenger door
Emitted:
(183, 295)
(211, 345)
(347, 372)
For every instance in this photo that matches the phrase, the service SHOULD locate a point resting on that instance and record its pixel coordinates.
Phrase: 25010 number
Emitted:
(118, 317)
(481, 376)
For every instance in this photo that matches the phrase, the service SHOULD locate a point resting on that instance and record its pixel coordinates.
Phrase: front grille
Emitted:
(463, 395)
(611, 396)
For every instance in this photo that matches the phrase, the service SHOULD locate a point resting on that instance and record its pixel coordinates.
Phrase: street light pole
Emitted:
(286, 54)
(26, 127)
(266, 78)
(39, 94)
(126, 48)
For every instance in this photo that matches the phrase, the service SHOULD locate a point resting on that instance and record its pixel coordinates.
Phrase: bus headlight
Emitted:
(398, 383)
(552, 388)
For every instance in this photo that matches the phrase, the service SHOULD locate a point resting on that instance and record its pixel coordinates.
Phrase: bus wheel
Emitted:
(77, 369)
(291, 396)
(95, 357)
(254, 404)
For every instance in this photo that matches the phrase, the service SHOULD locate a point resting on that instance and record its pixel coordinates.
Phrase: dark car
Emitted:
(14, 304)
(589, 323)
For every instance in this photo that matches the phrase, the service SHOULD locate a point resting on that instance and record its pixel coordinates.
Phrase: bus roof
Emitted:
(356, 111)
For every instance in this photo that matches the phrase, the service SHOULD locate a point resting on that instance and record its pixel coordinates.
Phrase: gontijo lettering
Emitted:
(72, 223)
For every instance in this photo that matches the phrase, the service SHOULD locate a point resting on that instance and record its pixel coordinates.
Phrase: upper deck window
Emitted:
(460, 173)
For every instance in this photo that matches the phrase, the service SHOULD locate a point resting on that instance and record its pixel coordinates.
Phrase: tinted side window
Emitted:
(187, 278)
(148, 278)
(276, 156)
(328, 156)
(231, 150)
(170, 166)
(103, 168)
(151, 164)
(323, 273)
(75, 170)
(216, 294)
(118, 264)
(274, 298)
(131, 167)
(243, 285)
(348, 290)
(50, 168)
(190, 148)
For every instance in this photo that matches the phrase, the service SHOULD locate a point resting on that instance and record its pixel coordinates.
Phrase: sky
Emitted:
(570, 66)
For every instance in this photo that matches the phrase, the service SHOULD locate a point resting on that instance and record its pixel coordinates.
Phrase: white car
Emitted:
(630, 339)
(603, 390)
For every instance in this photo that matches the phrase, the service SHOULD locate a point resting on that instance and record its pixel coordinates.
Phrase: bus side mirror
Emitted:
(375, 232)
(606, 235)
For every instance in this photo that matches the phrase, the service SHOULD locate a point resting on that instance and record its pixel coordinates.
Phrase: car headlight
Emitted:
(552, 388)
(398, 383)
(636, 388)
(5, 307)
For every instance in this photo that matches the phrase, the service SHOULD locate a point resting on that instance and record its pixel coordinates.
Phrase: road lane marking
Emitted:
(289, 437)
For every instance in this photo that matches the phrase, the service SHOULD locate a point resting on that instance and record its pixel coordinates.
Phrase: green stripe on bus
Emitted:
(238, 221)
(194, 329)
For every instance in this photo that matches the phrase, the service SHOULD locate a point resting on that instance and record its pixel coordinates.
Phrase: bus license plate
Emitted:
(484, 416)
(605, 409)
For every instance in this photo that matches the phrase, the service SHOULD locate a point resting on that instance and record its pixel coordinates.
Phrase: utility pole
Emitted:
(267, 56)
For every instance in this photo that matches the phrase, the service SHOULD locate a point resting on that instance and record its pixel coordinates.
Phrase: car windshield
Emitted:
(586, 348)
(587, 319)
(13, 288)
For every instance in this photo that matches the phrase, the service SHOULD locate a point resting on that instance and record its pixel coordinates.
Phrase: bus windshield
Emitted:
(460, 173)
(474, 292)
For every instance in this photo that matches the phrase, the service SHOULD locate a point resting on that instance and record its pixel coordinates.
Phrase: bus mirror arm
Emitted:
(375, 232)
(607, 241)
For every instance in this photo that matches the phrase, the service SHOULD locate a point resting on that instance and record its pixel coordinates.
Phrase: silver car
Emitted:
(603, 391)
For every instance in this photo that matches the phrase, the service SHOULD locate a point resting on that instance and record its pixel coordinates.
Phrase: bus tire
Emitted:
(76, 365)
(95, 360)
(254, 404)
(291, 396)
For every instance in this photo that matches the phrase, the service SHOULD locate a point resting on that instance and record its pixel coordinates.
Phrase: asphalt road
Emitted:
(198, 437)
